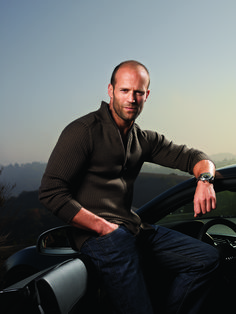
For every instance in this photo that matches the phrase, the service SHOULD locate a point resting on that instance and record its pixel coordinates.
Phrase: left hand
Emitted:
(204, 198)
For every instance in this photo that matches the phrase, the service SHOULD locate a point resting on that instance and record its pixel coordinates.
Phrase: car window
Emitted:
(226, 207)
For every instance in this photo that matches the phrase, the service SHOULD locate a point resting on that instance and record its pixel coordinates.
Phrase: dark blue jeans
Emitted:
(119, 258)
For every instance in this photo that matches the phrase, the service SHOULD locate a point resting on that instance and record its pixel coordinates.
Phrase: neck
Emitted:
(123, 125)
(124, 130)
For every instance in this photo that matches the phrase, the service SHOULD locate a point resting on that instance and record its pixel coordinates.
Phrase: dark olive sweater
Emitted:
(90, 167)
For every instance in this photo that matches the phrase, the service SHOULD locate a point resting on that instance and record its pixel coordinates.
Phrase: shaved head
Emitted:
(130, 64)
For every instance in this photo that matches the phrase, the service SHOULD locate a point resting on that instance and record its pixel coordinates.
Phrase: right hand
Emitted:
(107, 228)
(86, 220)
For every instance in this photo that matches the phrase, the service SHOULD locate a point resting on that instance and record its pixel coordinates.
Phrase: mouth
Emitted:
(131, 108)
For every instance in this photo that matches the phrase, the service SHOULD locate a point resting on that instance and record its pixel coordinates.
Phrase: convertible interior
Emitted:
(217, 228)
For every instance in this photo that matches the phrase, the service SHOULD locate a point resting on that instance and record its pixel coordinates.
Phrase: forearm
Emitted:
(204, 166)
(204, 198)
(168, 154)
(86, 220)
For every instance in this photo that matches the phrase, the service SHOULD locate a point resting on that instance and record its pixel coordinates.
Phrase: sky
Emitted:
(57, 56)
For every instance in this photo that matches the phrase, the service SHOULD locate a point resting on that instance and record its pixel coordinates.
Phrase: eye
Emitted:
(140, 93)
(124, 90)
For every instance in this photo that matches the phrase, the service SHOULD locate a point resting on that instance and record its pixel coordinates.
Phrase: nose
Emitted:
(132, 97)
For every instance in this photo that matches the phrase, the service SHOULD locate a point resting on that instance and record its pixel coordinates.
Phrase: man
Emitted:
(89, 184)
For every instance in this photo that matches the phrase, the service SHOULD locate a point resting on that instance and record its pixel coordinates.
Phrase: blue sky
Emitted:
(57, 56)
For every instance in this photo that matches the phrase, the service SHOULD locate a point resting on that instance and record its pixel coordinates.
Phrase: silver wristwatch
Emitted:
(206, 177)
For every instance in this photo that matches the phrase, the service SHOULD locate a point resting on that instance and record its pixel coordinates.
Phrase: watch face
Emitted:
(206, 177)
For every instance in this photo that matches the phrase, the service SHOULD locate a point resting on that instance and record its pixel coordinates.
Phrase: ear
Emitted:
(147, 94)
(110, 91)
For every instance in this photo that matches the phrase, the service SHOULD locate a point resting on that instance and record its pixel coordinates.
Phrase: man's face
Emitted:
(129, 94)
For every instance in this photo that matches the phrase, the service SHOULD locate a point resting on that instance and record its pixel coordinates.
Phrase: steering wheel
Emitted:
(217, 221)
(226, 250)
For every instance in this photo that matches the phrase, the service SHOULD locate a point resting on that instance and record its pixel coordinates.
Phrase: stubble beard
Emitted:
(121, 114)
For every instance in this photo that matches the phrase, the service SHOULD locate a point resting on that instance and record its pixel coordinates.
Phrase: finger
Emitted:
(208, 205)
(213, 203)
(204, 206)
(197, 215)
(197, 209)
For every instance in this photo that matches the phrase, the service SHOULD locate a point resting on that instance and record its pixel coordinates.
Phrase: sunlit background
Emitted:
(57, 56)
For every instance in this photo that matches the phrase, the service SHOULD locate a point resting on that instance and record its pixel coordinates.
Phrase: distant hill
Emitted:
(27, 177)
(24, 217)
(149, 185)
(227, 157)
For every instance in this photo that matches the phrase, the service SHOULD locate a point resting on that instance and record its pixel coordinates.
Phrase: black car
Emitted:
(52, 277)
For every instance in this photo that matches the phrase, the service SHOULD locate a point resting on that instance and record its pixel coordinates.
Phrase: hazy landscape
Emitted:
(27, 177)
(23, 218)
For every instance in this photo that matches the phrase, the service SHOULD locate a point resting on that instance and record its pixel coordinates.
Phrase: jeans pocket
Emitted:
(106, 243)
(110, 234)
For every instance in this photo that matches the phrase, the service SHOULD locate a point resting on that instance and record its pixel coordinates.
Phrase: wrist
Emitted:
(206, 177)
(106, 227)
(101, 226)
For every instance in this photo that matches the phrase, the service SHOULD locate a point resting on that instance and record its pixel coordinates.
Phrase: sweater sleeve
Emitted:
(65, 169)
(168, 154)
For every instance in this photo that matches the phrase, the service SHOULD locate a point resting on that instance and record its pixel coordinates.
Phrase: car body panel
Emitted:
(183, 193)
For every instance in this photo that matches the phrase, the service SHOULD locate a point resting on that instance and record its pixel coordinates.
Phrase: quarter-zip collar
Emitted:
(127, 142)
